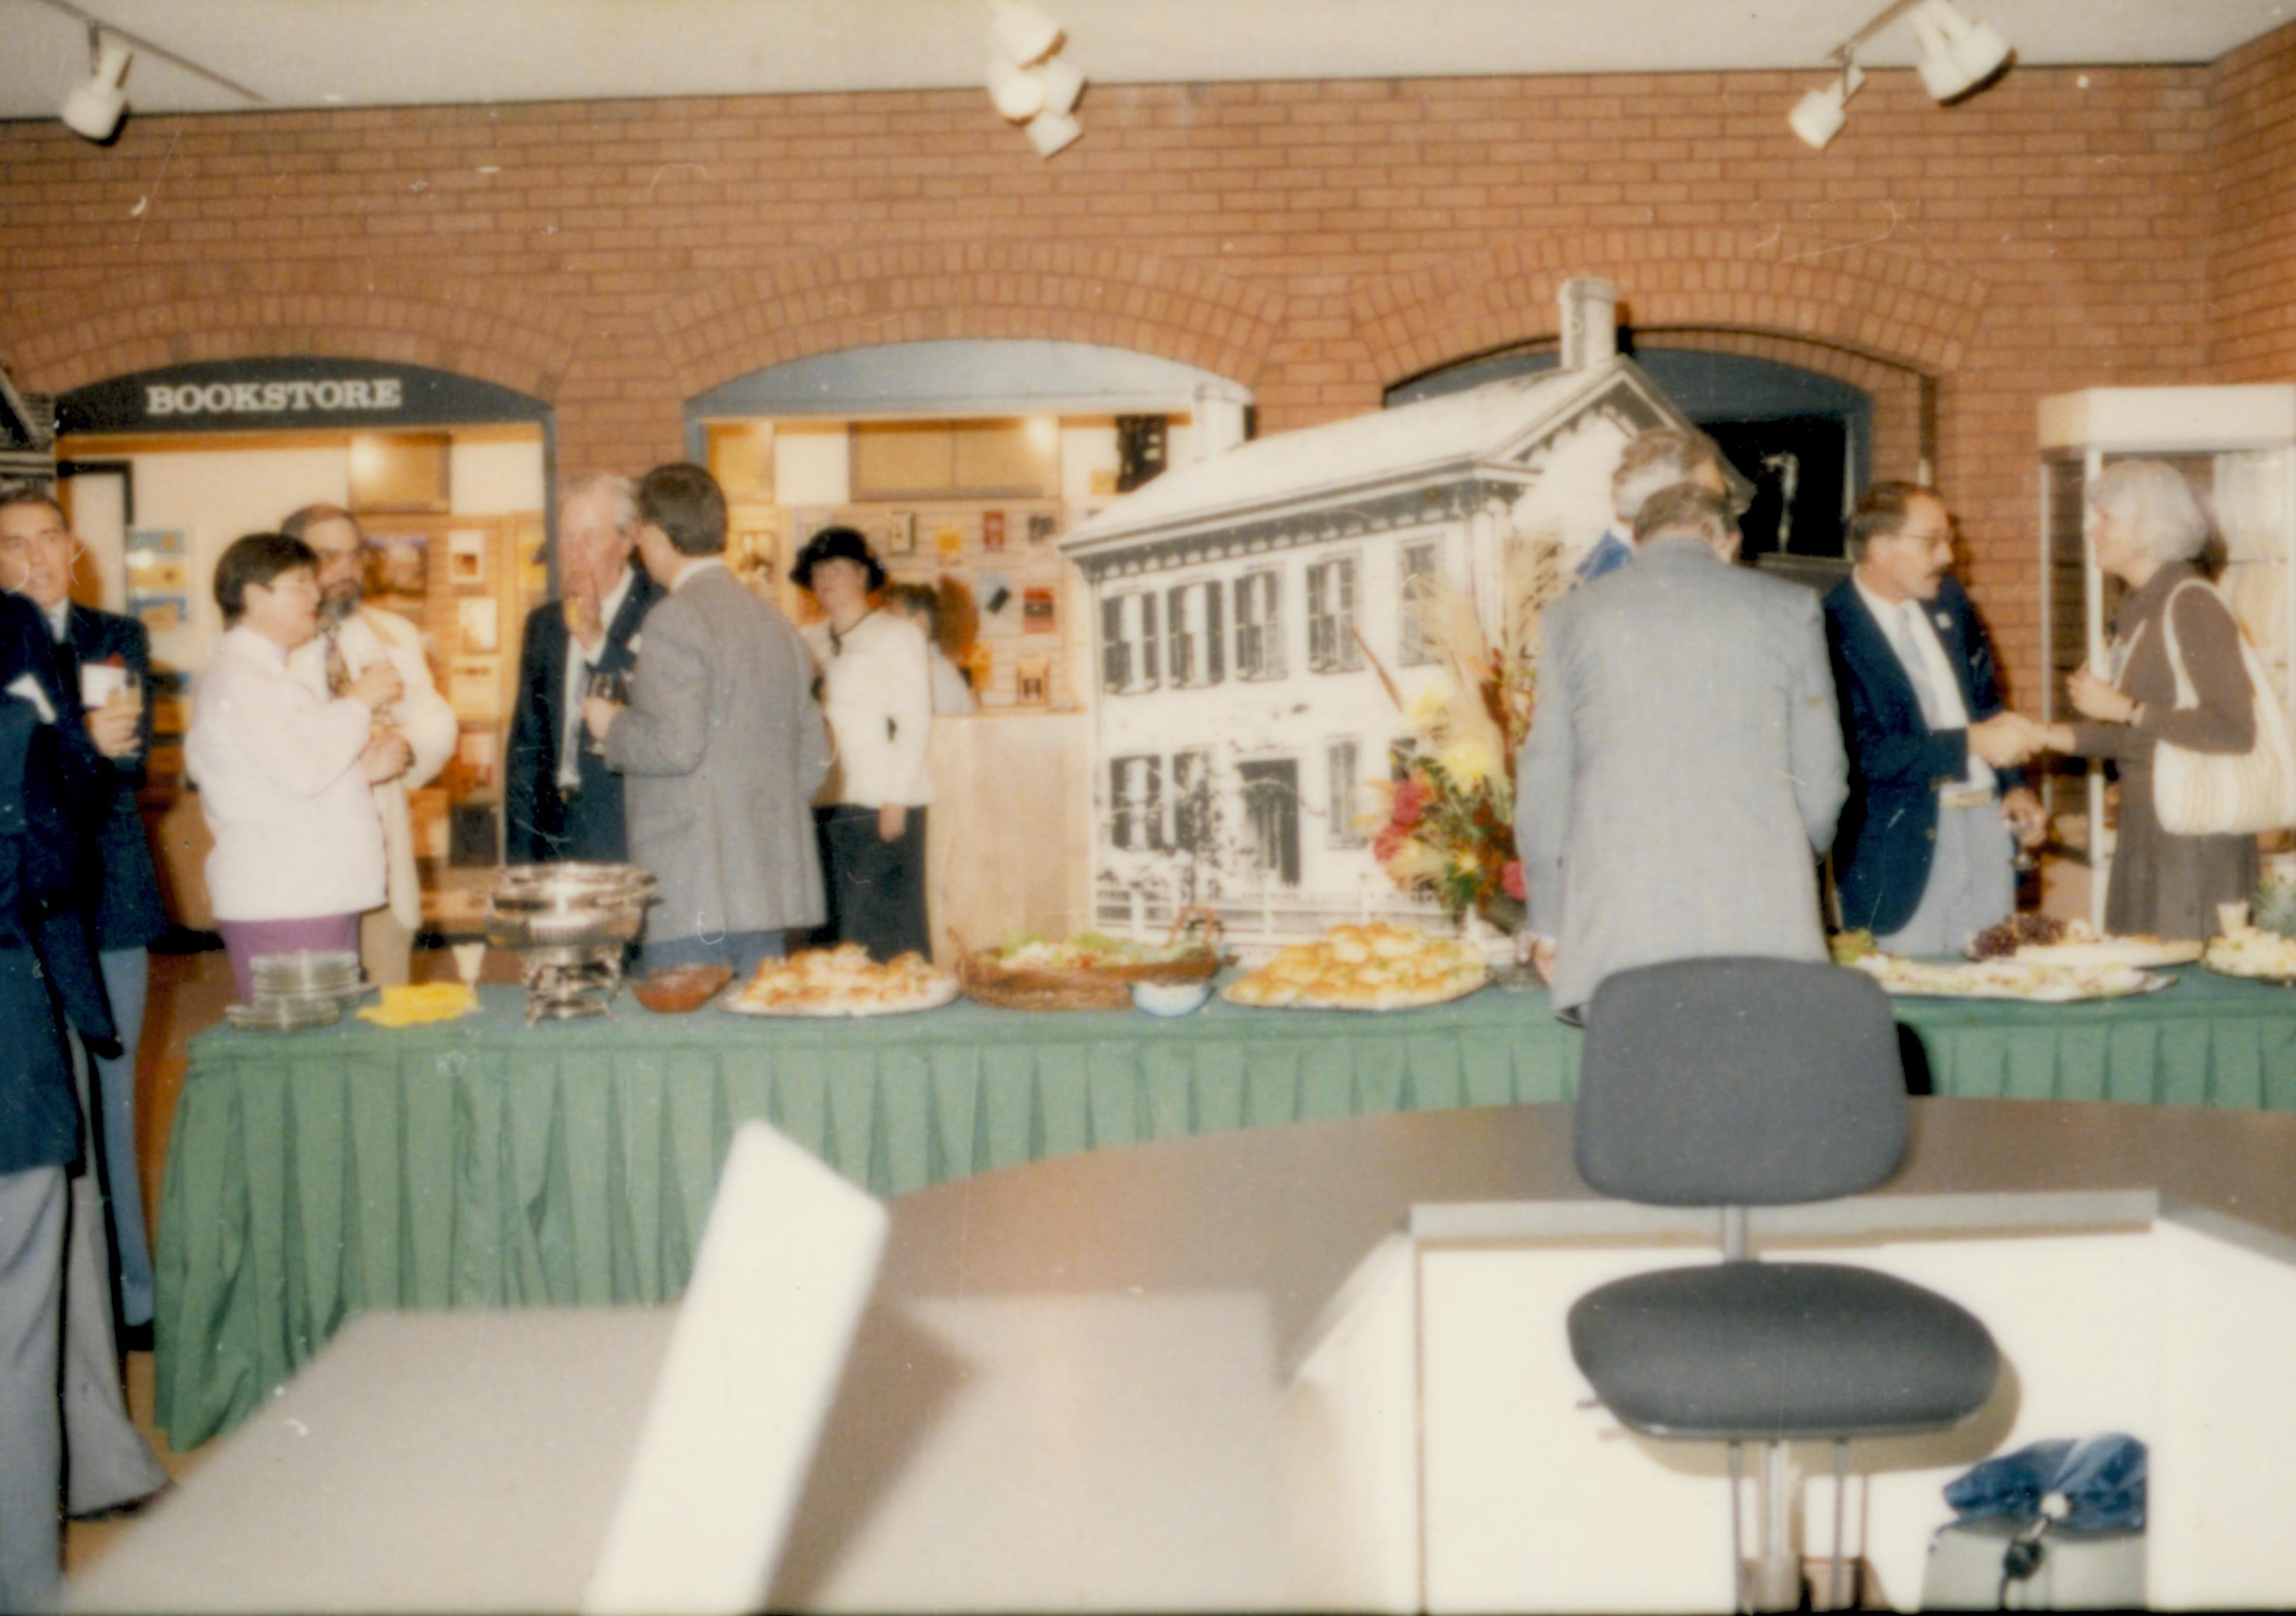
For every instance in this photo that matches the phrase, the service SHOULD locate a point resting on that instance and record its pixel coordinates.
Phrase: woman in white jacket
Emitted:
(284, 775)
(876, 692)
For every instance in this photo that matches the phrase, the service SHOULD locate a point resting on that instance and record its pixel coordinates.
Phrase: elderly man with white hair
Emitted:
(2146, 529)
(1684, 692)
(561, 800)
(1653, 460)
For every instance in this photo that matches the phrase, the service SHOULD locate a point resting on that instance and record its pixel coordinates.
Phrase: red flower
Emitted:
(1387, 843)
(1410, 799)
(1511, 878)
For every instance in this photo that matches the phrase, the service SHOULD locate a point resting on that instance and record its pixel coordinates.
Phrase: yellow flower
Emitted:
(1469, 762)
(1414, 861)
(1427, 706)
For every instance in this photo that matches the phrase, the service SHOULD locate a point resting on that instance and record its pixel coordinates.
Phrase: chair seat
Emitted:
(1767, 1351)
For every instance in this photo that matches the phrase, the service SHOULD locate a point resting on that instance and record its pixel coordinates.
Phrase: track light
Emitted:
(1051, 132)
(1818, 116)
(1028, 83)
(1018, 92)
(1957, 55)
(93, 108)
(1063, 84)
(1024, 31)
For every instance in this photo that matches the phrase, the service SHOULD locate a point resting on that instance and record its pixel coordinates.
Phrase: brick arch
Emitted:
(57, 341)
(1857, 298)
(866, 298)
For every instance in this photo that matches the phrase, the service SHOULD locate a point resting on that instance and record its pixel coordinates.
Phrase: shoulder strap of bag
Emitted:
(2186, 696)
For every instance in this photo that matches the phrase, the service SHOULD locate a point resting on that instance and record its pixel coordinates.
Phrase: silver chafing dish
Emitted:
(570, 924)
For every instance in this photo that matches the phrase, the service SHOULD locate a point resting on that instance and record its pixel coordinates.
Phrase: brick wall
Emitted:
(1316, 241)
(2254, 271)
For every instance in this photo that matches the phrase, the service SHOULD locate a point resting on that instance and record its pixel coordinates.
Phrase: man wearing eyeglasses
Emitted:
(352, 635)
(1923, 857)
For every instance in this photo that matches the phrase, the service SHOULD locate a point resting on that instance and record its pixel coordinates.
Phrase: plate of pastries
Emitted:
(2252, 952)
(2043, 940)
(841, 982)
(1369, 967)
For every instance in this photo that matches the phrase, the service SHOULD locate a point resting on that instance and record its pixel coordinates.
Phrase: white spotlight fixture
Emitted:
(1028, 83)
(1025, 31)
(1818, 116)
(1017, 92)
(1051, 132)
(93, 108)
(1062, 82)
(1957, 55)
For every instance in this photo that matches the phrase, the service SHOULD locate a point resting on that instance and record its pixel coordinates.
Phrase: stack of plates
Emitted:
(304, 989)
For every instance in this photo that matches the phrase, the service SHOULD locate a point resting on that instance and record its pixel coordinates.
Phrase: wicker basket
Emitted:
(1088, 987)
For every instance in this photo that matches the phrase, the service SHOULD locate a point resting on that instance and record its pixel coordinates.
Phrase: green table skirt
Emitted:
(483, 1163)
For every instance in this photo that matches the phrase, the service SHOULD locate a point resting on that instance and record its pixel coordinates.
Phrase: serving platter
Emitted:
(2011, 981)
(2138, 953)
(1303, 1002)
(932, 997)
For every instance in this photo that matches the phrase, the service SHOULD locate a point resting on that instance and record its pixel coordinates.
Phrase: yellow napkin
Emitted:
(410, 1006)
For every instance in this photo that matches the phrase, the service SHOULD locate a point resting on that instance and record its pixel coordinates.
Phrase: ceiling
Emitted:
(389, 53)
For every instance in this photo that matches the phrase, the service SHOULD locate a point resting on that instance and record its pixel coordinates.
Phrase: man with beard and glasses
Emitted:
(352, 635)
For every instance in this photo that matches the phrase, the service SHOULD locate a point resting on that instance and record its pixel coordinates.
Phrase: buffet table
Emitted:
(483, 1163)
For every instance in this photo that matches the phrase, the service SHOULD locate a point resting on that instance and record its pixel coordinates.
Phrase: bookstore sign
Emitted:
(290, 395)
(275, 398)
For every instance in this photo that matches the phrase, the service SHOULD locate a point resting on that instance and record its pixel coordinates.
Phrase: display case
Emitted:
(2237, 447)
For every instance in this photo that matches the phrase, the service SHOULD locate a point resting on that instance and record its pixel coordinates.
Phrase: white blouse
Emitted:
(297, 835)
(877, 695)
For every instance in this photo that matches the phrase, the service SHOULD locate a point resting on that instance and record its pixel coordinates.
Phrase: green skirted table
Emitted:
(484, 1163)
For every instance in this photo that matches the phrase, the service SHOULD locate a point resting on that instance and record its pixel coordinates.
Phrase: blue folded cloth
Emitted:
(2100, 1480)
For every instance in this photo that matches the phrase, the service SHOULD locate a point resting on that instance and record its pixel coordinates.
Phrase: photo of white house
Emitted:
(1242, 610)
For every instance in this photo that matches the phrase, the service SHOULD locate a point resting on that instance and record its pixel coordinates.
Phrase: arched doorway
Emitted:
(1809, 440)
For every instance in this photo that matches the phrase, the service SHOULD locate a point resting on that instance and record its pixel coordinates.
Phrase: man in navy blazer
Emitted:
(560, 800)
(119, 888)
(1922, 856)
(45, 768)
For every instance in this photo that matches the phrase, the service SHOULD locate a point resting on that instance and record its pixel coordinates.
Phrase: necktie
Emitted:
(339, 671)
(1909, 644)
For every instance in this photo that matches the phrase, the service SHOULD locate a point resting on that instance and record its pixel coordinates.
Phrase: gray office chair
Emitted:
(1734, 1083)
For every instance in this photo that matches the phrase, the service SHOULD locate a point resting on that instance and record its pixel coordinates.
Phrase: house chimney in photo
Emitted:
(1590, 321)
(1218, 419)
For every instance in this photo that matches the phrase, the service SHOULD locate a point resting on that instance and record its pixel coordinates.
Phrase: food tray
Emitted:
(942, 992)
(2064, 985)
(1227, 996)
(989, 981)
(2271, 979)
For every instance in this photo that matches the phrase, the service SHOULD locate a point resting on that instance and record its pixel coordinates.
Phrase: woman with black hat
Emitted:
(877, 695)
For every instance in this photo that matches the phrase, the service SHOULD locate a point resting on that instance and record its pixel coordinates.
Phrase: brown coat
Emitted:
(2165, 884)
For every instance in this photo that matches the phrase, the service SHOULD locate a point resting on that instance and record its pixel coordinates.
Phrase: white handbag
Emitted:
(2225, 793)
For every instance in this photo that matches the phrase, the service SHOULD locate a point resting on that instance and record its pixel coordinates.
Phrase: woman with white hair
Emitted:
(2146, 529)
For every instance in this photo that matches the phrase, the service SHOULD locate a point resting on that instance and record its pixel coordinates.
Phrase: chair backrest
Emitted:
(1749, 1082)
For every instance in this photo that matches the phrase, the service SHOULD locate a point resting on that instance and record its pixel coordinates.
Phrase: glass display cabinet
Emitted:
(2237, 447)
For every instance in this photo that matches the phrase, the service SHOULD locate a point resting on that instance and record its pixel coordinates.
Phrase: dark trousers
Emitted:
(876, 889)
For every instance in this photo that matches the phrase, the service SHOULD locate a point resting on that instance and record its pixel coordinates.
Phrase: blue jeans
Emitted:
(127, 977)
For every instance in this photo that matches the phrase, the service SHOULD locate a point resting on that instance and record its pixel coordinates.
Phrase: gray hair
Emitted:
(624, 491)
(2153, 498)
(1653, 460)
(1684, 510)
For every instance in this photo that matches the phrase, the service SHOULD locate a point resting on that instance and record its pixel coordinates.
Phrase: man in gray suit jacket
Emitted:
(722, 746)
(1684, 764)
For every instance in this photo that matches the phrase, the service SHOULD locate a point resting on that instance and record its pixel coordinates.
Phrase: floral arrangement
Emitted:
(1445, 825)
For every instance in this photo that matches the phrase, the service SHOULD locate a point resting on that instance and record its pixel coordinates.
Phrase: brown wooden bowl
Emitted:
(682, 988)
